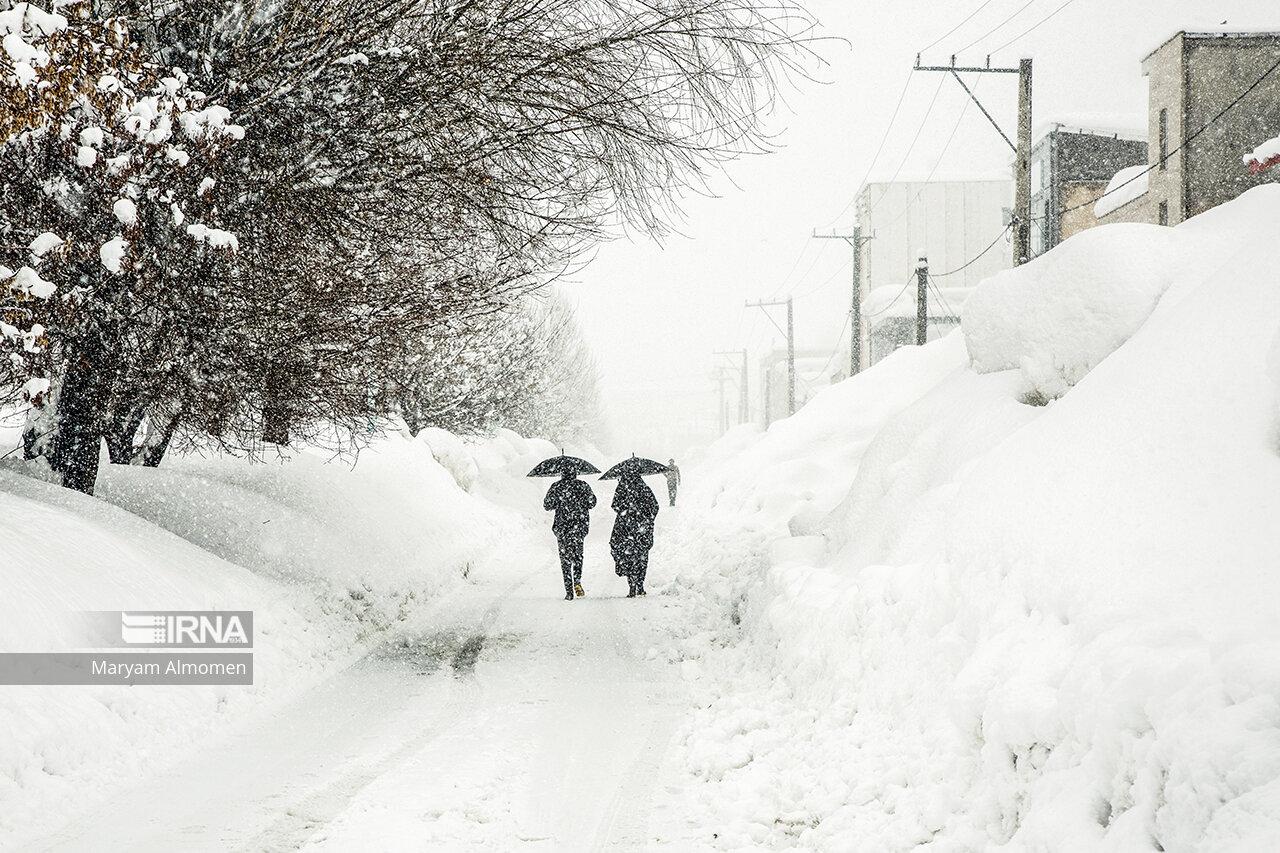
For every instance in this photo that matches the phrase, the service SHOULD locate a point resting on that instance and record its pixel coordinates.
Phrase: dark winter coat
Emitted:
(572, 500)
(636, 508)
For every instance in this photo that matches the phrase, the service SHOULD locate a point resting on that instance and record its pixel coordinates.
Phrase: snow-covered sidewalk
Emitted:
(498, 717)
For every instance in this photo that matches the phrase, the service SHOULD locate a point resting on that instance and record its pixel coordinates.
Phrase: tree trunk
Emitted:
(119, 434)
(162, 426)
(275, 415)
(77, 439)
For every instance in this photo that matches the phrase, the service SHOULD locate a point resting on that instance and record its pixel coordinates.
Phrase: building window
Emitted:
(1164, 136)
(1163, 213)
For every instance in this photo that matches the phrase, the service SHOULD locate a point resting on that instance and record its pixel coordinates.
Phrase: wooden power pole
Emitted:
(856, 240)
(922, 301)
(1022, 181)
(791, 348)
(1021, 151)
(742, 382)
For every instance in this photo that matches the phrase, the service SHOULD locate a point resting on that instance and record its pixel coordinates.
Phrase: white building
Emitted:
(960, 226)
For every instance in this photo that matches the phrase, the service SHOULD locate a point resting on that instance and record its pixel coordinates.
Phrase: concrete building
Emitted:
(815, 370)
(958, 225)
(1195, 147)
(1069, 170)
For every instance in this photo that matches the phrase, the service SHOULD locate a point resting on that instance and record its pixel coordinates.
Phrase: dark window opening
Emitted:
(1164, 136)
(1163, 214)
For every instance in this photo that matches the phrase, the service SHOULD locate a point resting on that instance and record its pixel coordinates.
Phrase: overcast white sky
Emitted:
(655, 314)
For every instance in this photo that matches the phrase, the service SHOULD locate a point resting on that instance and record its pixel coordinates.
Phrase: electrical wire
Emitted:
(976, 257)
(893, 301)
(906, 156)
(938, 162)
(1028, 30)
(844, 266)
(953, 29)
(812, 265)
(937, 291)
(1183, 144)
(794, 264)
(834, 352)
(879, 148)
(998, 27)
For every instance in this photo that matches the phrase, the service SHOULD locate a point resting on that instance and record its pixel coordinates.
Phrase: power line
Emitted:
(976, 257)
(941, 154)
(956, 27)
(834, 352)
(1028, 30)
(907, 156)
(894, 300)
(844, 266)
(998, 26)
(1183, 144)
(937, 291)
(812, 264)
(876, 157)
(794, 264)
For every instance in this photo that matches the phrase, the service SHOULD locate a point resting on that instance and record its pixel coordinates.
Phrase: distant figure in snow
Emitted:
(673, 479)
(633, 530)
(572, 501)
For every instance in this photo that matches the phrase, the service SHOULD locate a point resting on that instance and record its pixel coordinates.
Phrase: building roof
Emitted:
(1196, 36)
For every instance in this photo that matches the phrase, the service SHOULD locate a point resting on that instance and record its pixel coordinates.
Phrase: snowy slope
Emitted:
(330, 558)
(1022, 627)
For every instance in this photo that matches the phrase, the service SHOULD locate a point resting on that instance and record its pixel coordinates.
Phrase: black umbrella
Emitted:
(558, 466)
(636, 464)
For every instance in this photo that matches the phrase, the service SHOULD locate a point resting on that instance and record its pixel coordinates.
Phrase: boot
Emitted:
(577, 588)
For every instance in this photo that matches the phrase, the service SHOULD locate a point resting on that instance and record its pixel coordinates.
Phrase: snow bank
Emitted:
(1058, 316)
(787, 479)
(1027, 628)
(329, 557)
(1126, 185)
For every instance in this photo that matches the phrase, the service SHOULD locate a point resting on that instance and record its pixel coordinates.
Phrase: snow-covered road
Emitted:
(513, 720)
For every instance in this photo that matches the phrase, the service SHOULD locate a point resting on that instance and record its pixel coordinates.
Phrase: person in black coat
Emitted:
(572, 501)
(633, 530)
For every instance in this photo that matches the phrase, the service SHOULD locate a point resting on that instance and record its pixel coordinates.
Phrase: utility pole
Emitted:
(791, 347)
(742, 382)
(1021, 151)
(922, 301)
(744, 409)
(1022, 180)
(856, 240)
(723, 410)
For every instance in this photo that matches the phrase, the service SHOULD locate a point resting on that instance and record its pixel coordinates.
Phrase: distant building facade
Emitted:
(895, 316)
(958, 225)
(1196, 148)
(1069, 171)
(815, 370)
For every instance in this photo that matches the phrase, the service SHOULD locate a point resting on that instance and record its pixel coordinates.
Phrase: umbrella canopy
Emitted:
(638, 464)
(558, 466)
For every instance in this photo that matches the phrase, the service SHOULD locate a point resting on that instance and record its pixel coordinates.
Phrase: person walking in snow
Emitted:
(673, 479)
(632, 536)
(572, 501)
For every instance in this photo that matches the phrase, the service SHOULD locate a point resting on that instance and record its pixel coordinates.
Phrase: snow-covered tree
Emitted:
(415, 164)
(410, 167)
(526, 368)
(107, 158)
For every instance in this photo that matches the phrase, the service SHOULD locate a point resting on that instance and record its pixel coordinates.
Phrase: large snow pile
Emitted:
(1126, 185)
(330, 557)
(1060, 315)
(1024, 627)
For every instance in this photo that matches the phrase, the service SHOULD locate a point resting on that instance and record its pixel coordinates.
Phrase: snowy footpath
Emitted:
(497, 717)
